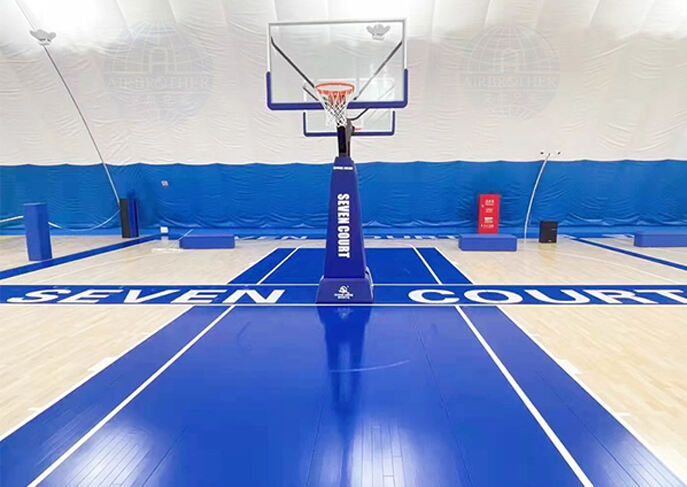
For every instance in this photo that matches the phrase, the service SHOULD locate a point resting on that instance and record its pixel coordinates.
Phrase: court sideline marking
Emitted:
(126, 401)
(44, 264)
(618, 264)
(656, 260)
(543, 424)
(576, 379)
(528, 403)
(65, 456)
(90, 376)
(38, 410)
(602, 403)
(462, 271)
(431, 271)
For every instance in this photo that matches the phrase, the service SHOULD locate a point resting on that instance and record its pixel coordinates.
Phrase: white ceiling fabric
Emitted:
(599, 79)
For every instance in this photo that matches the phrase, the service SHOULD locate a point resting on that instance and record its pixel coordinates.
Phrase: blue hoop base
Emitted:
(344, 290)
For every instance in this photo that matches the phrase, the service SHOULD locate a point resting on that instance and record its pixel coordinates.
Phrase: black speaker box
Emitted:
(548, 231)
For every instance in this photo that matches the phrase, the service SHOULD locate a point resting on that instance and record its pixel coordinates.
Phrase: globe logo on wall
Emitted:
(155, 70)
(510, 71)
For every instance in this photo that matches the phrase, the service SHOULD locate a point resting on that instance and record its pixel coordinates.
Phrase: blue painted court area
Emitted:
(333, 395)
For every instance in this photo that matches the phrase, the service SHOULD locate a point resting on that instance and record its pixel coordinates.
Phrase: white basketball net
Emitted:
(334, 97)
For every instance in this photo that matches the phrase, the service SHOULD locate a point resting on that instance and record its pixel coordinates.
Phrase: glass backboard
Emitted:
(371, 54)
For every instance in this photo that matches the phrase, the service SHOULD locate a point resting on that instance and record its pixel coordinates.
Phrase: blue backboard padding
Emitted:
(281, 396)
(486, 241)
(660, 239)
(411, 195)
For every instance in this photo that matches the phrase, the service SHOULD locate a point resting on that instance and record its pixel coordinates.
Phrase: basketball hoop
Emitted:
(334, 97)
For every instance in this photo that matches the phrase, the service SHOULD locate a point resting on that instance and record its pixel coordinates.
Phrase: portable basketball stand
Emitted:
(320, 75)
(346, 275)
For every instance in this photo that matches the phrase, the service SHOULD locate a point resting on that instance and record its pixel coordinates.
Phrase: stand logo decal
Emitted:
(344, 293)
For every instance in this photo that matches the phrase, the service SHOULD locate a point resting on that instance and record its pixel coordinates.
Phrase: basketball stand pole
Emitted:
(343, 137)
(346, 278)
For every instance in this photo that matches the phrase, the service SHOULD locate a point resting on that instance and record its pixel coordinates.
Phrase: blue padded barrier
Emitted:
(488, 241)
(37, 231)
(207, 239)
(661, 239)
(393, 196)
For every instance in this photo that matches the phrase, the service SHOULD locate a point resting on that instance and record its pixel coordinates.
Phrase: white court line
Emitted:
(528, 403)
(89, 376)
(251, 264)
(87, 268)
(381, 305)
(572, 463)
(431, 271)
(66, 265)
(102, 364)
(616, 415)
(126, 401)
(462, 271)
(619, 264)
(674, 253)
(38, 411)
(277, 266)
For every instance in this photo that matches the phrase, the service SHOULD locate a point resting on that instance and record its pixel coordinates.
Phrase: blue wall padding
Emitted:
(37, 231)
(488, 241)
(78, 196)
(661, 239)
(411, 195)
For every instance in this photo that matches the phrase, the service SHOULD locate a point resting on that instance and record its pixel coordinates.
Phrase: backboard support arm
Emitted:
(379, 70)
(291, 63)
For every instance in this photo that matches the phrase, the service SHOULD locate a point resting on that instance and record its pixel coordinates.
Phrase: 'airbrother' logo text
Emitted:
(343, 222)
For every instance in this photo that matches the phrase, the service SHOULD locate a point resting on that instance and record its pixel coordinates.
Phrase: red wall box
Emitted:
(488, 217)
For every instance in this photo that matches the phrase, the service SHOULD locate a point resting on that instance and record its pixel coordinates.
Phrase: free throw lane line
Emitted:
(572, 463)
(277, 266)
(528, 403)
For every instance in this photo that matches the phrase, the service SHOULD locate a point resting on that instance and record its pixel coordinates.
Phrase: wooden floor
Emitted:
(632, 358)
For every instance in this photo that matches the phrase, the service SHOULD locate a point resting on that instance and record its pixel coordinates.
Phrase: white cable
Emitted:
(84, 229)
(534, 190)
(12, 219)
(44, 42)
(55, 225)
